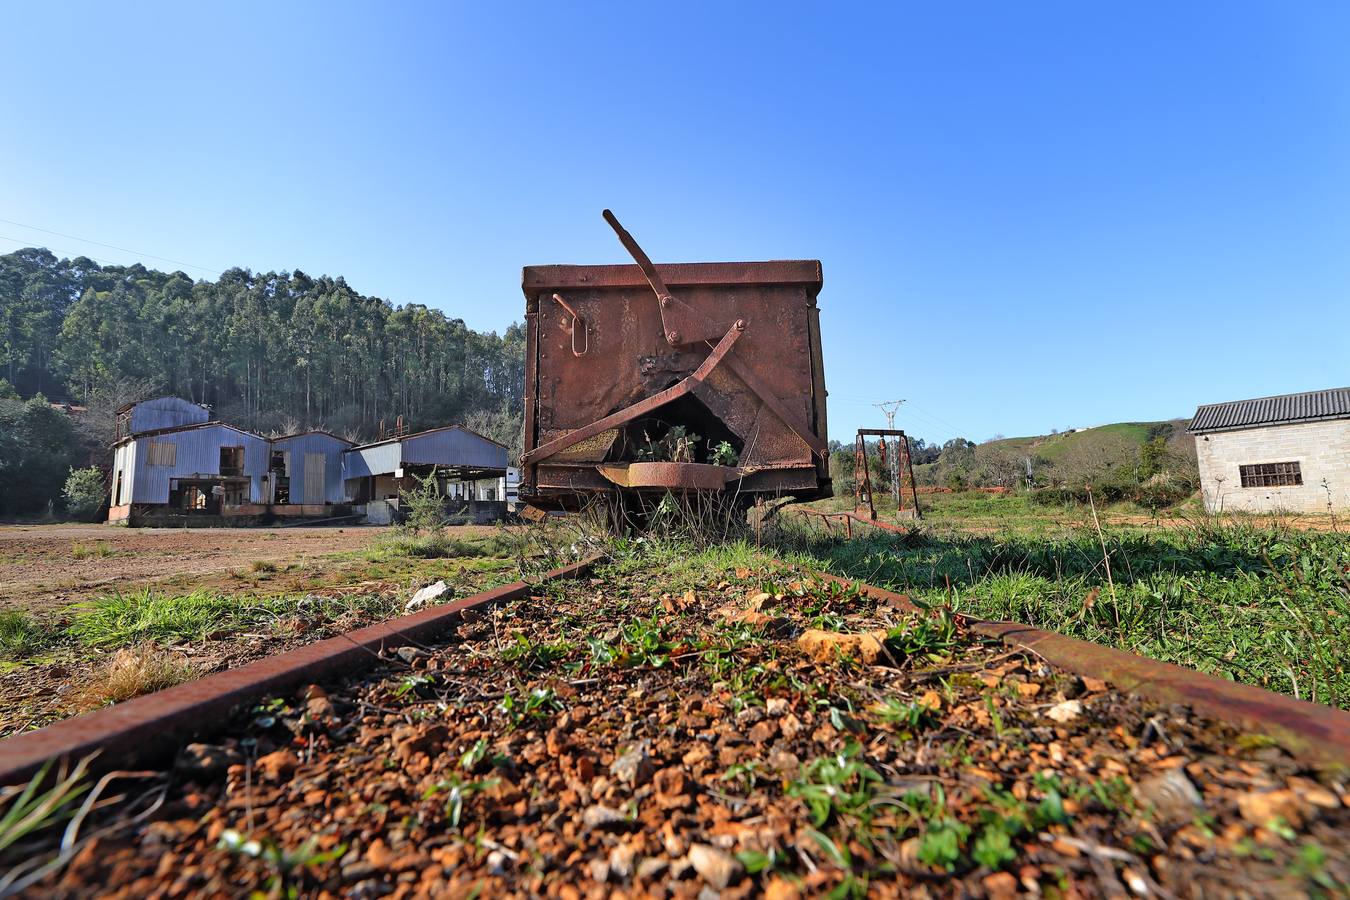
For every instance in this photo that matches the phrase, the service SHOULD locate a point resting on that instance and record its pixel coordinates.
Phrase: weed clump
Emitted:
(21, 635)
(430, 545)
(134, 671)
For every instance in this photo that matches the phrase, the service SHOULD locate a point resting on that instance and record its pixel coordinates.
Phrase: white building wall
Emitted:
(1322, 450)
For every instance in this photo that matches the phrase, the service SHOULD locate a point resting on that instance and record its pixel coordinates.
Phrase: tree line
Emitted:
(272, 351)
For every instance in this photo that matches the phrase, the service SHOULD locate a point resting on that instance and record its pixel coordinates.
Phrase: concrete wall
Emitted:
(1322, 450)
(198, 454)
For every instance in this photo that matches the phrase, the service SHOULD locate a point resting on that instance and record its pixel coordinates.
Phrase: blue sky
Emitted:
(1030, 215)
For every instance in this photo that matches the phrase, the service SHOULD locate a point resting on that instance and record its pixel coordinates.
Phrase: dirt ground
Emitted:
(45, 567)
(757, 735)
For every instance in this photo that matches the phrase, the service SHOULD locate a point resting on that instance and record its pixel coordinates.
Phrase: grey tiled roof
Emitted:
(1285, 409)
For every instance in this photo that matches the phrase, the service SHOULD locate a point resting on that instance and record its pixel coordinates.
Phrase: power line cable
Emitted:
(69, 253)
(176, 262)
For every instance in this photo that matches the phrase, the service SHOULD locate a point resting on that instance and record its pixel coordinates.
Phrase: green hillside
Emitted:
(1080, 456)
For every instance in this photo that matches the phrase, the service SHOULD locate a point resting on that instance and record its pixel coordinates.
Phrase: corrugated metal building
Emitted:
(459, 458)
(306, 471)
(198, 471)
(160, 413)
(211, 468)
(376, 471)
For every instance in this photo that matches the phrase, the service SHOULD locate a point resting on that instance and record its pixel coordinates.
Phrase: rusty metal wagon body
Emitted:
(680, 377)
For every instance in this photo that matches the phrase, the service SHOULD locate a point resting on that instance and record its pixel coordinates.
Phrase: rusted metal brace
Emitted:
(685, 325)
(642, 407)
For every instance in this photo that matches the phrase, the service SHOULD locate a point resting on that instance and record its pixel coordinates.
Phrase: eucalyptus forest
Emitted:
(269, 351)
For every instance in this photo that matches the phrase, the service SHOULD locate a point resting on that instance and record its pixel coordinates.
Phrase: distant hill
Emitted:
(1072, 456)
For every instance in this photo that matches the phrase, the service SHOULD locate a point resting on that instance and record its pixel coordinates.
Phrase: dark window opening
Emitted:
(1281, 474)
(231, 461)
(234, 494)
(280, 466)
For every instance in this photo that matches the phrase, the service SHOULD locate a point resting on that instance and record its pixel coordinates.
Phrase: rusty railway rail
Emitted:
(1307, 730)
(147, 730)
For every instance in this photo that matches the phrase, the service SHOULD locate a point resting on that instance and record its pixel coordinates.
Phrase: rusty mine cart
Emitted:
(683, 377)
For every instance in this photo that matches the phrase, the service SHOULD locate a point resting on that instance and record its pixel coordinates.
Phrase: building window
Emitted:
(231, 461)
(1271, 475)
(161, 453)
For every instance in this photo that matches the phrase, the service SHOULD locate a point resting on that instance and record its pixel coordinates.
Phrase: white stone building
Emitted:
(1276, 454)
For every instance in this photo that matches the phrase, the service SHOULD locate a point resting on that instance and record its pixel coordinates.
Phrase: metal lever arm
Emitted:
(681, 322)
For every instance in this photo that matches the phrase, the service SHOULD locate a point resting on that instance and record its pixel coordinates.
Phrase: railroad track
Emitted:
(742, 729)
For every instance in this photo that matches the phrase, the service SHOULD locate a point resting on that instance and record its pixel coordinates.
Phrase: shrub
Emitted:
(84, 493)
(424, 506)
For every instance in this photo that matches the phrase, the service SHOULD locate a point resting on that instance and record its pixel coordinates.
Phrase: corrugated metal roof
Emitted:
(415, 434)
(1282, 410)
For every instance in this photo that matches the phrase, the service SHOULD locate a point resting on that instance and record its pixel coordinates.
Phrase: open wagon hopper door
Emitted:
(684, 377)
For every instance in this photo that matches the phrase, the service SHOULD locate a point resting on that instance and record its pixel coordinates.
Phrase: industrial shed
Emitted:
(204, 469)
(377, 473)
(306, 473)
(158, 414)
(172, 465)
(1288, 453)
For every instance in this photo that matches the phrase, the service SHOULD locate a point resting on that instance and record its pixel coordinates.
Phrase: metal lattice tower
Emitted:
(889, 408)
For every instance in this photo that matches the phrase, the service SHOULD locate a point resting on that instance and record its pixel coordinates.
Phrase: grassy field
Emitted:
(146, 634)
(1264, 600)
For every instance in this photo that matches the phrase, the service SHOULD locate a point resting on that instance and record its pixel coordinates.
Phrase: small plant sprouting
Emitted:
(907, 715)
(837, 786)
(284, 863)
(537, 704)
(413, 684)
(993, 848)
(645, 644)
(941, 843)
(723, 454)
(526, 654)
(459, 790)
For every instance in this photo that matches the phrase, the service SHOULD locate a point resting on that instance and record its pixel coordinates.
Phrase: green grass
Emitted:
(21, 635)
(976, 509)
(438, 545)
(1104, 438)
(119, 620)
(1248, 601)
(96, 550)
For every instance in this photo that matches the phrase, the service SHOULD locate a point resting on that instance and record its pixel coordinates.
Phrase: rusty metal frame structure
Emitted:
(863, 478)
(719, 325)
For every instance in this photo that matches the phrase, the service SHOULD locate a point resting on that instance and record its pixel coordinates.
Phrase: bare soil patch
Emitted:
(46, 567)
